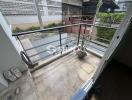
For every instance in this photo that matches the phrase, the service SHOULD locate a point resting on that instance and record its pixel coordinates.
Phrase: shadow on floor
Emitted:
(115, 83)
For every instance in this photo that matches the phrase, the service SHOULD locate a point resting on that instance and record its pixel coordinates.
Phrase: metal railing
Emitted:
(89, 19)
(60, 42)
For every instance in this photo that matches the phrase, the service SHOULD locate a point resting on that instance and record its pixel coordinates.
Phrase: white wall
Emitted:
(31, 19)
(9, 50)
(3, 82)
(51, 18)
(57, 0)
(21, 19)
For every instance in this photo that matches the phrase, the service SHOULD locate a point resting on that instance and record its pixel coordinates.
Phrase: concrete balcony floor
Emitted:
(58, 80)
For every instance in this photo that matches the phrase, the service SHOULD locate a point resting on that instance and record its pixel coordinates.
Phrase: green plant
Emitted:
(17, 29)
(116, 17)
(105, 33)
(51, 25)
(32, 28)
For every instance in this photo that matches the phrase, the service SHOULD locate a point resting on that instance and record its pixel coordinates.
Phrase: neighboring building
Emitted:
(23, 13)
(123, 5)
(70, 8)
(90, 6)
(84, 11)
(109, 5)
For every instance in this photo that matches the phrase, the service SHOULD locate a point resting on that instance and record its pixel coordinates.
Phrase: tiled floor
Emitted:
(60, 79)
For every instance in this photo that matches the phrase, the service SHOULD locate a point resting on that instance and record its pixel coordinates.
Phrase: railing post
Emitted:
(60, 40)
(79, 35)
(84, 35)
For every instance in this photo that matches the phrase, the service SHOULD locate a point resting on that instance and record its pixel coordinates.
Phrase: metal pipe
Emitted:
(42, 44)
(83, 39)
(79, 35)
(60, 41)
(59, 27)
(46, 50)
(47, 29)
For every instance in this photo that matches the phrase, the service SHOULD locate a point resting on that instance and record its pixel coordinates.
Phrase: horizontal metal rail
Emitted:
(46, 29)
(78, 15)
(96, 37)
(96, 48)
(59, 51)
(103, 39)
(99, 43)
(46, 50)
(59, 27)
(47, 55)
(37, 53)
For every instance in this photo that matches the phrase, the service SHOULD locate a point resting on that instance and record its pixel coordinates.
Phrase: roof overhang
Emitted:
(125, 1)
(111, 3)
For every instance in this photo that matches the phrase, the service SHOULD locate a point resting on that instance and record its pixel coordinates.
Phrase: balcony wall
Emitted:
(9, 51)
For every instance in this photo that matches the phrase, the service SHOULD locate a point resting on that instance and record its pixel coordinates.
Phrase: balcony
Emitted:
(61, 78)
(52, 70)
(60, 74)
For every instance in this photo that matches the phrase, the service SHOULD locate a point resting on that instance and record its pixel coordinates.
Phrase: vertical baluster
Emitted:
(79, 35)
(71, 29)
(83, 36)
(60, 40)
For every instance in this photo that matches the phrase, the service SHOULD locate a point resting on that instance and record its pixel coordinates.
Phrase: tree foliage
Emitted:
(17, 29)
(108, 33)
(116, 17)
(105, 34)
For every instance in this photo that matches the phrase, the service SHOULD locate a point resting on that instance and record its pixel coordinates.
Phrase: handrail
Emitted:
(46, 55)
(59, 27)
(46, 50)
(46, 29)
